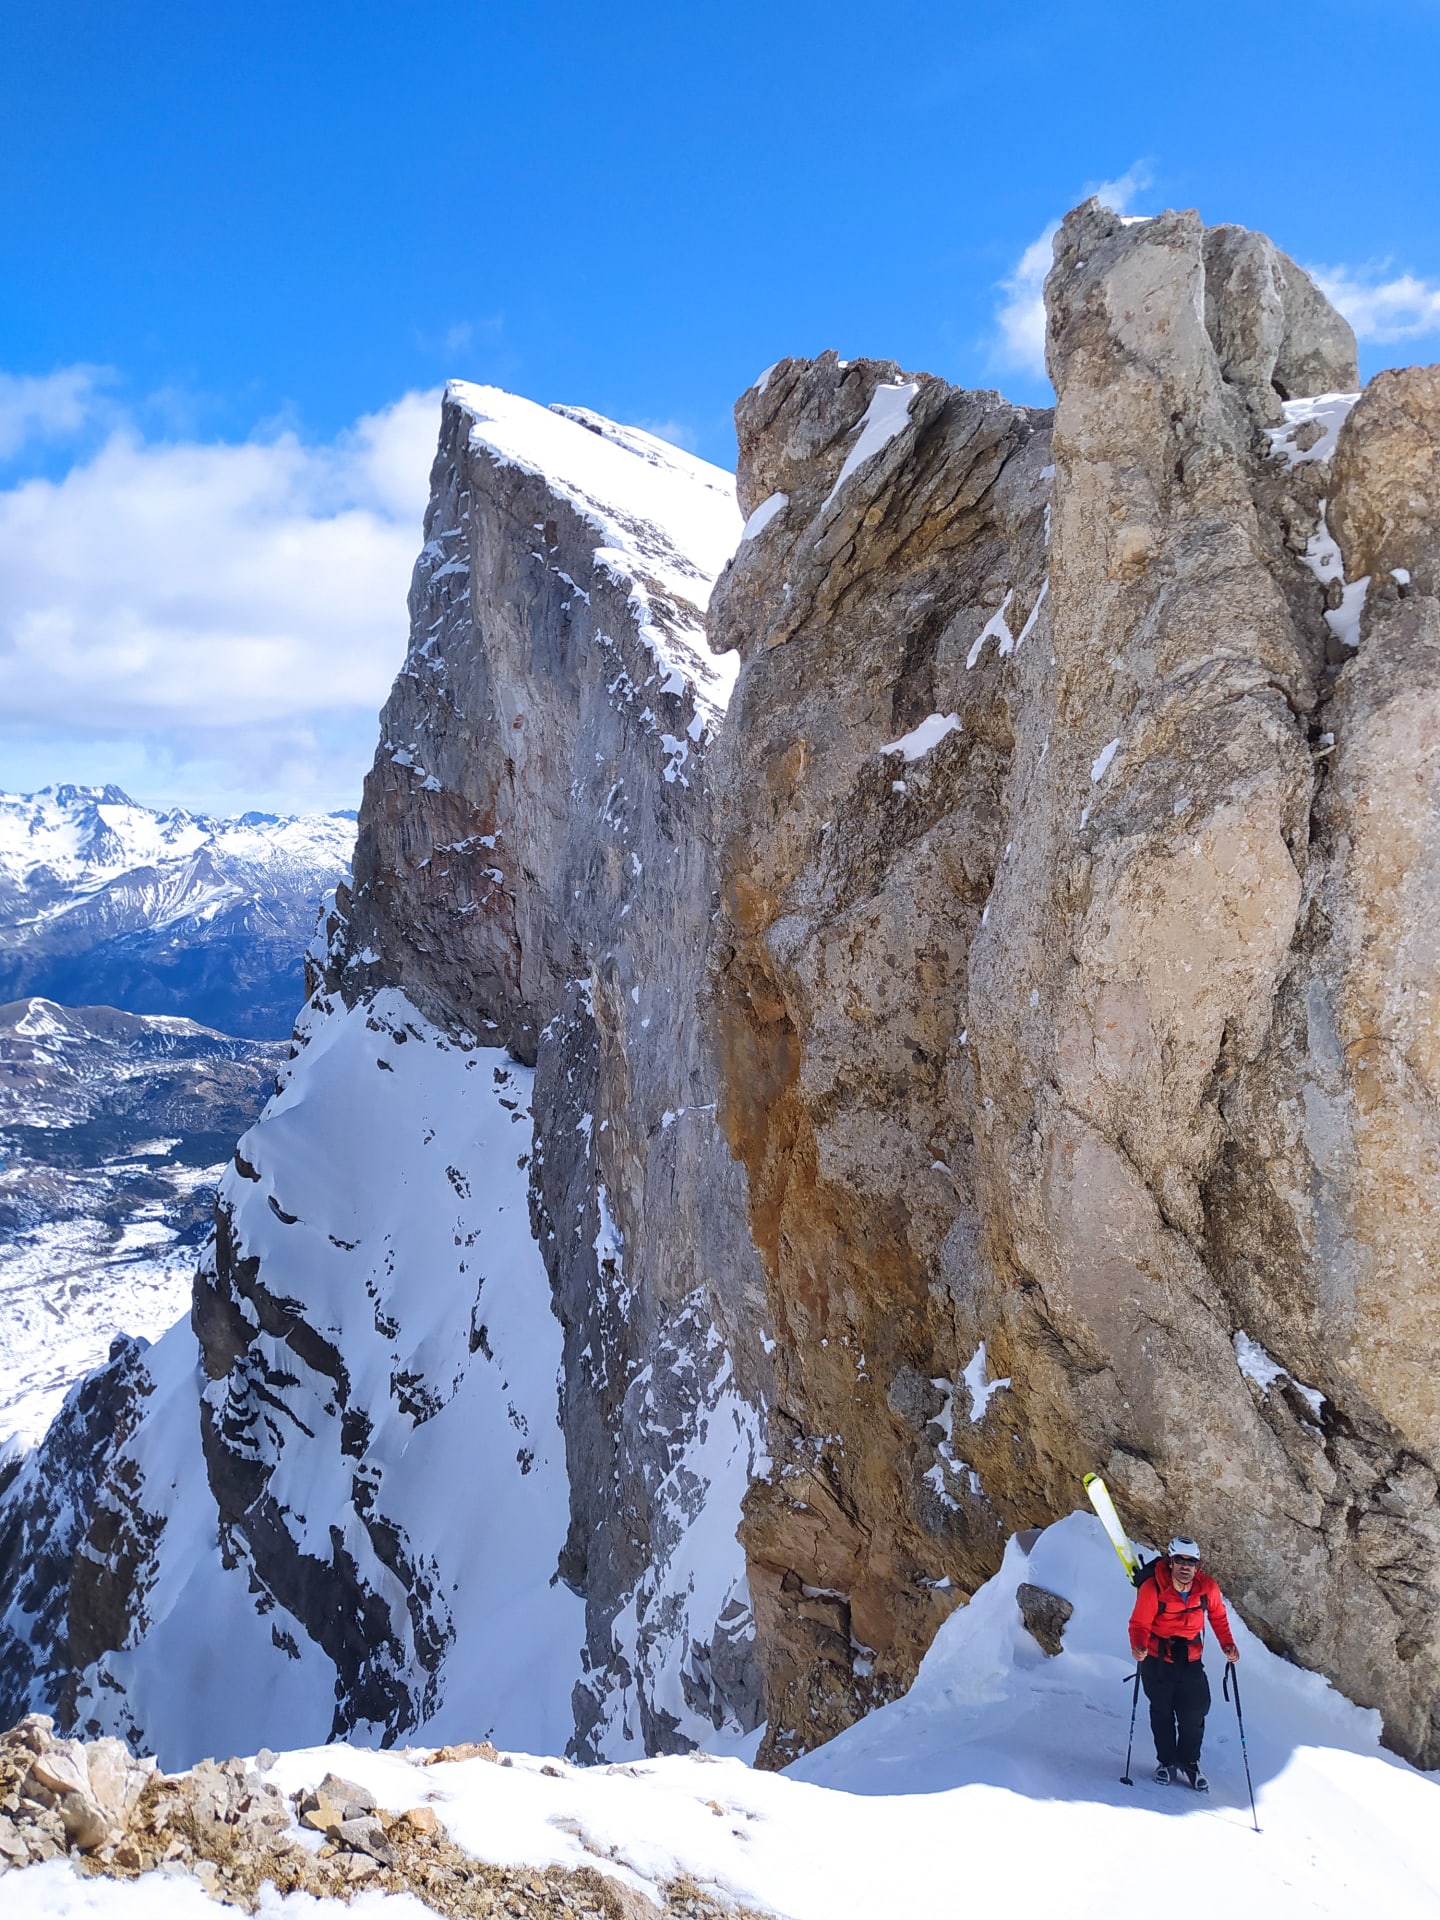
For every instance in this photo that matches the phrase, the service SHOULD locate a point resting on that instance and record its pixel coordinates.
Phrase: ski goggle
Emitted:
(1182, 1560)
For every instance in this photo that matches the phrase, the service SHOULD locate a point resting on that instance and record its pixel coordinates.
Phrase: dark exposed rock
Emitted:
(54, 1606)
(1045, 1615)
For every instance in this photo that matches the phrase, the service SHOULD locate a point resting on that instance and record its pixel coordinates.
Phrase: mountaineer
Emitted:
(1173, 1601)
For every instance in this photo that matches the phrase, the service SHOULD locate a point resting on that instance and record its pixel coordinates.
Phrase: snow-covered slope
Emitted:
(106, 902)
(992, 1787)
(390, 1437)
(114, 1128)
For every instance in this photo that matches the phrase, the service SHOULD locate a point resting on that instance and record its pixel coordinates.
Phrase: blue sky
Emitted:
(234, 239)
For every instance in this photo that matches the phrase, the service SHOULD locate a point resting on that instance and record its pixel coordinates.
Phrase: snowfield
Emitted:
(993, 1786)
(114, 1129)
(362, 1215)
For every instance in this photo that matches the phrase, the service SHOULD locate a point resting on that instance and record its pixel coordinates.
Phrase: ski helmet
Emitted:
(1182, 1549)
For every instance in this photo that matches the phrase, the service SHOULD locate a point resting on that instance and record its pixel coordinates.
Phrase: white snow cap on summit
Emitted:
(667, 520)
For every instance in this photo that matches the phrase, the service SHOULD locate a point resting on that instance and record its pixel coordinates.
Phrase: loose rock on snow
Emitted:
(234, 1832)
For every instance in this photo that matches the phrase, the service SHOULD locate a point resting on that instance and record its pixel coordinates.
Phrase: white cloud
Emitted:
(1020, 315)
(675, 431)
(1119, 195)
(237, 609)
(1403, 308)
(46, 406)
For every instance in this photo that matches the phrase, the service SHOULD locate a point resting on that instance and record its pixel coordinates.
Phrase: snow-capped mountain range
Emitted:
(107, 902)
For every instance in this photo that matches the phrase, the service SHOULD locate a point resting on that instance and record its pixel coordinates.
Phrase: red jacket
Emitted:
(1162, 1615)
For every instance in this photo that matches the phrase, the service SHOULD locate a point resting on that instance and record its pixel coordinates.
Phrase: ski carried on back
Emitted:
(1109, 1519)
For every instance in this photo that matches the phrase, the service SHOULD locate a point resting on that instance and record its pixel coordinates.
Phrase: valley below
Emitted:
(114, 1129)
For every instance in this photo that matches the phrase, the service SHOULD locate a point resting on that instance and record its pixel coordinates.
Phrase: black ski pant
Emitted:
(1179, 1696)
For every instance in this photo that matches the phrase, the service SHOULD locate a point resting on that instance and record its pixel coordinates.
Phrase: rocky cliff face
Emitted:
(350, 1462)
(535, 860)
(997, 1039)
(1075, 981)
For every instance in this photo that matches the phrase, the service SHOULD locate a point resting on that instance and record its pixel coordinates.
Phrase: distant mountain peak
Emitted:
(67, 793)
(106, 900)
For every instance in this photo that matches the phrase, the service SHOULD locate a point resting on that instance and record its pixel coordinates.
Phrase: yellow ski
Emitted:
(1105, 1507)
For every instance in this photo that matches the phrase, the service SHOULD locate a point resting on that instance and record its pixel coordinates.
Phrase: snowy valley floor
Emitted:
(992, 1787)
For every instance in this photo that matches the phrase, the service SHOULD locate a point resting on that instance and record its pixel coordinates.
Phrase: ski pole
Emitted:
(1230, 1674)
(1125, 1779)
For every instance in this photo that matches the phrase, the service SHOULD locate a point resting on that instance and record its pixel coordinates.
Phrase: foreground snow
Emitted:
(994, 1780)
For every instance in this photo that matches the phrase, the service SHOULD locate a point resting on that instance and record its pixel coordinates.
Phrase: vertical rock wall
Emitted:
(856, 860)
(347, 1468)
(534, 863)
(1081, 1063)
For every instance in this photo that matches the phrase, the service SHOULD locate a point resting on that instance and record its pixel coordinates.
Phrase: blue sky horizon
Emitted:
(243, 249)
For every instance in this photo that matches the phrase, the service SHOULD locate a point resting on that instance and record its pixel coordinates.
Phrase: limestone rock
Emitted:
(999, 1042)
(364, 1835)
(561, 703)
(534, 869)
(352, 1800)
(1076, 1037)
(1275, 335)
(462, 1750)
(1386, 510)
(226, 1829)
(856, 854)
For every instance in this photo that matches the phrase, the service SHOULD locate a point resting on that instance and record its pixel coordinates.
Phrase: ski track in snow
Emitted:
(993, 1786)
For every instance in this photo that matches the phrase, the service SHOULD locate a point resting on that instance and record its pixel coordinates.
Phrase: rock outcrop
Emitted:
(1075, 977)
(865, 757)
(535, 859)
